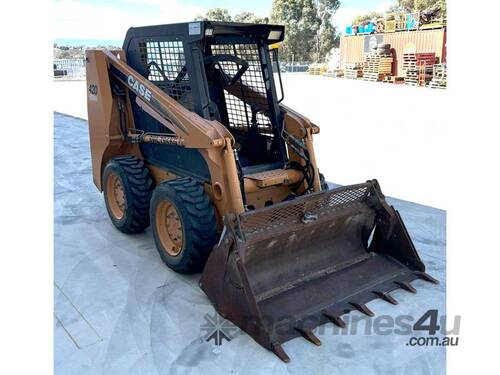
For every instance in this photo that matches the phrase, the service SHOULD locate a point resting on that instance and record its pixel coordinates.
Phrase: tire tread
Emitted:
(201, 223)
(140, 182)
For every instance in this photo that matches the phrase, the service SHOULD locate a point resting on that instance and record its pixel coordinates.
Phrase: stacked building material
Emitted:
(380, 26)
(418, 68)
(377, 66)
(317, 69)
(390, 26)
(410, 69)
(439, 77)
(338, 72)
(353, 70)
(433, 23)
(394, 79)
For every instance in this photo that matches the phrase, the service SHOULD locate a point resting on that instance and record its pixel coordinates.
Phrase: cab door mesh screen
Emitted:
(166, 65)
(251, 88)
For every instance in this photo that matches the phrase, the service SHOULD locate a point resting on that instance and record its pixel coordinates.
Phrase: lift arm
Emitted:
(192, 130)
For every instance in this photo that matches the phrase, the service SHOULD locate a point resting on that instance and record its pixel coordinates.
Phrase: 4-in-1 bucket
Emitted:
(281, 271)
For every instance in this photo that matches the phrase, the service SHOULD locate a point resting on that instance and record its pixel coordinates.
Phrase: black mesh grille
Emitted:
(166, 64)
(239, 111)
(284, 215)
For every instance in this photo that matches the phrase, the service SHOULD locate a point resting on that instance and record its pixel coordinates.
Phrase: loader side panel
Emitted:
(106, 141)
(179, 160)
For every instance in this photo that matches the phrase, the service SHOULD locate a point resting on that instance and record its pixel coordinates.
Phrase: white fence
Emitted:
(69, 68)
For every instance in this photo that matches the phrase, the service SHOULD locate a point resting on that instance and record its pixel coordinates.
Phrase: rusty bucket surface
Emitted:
(281, 271)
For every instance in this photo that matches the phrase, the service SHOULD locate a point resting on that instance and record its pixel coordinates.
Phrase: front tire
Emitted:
(184, 224)
(127, 191)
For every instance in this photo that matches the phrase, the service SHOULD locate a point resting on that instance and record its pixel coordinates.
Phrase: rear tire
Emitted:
(127, 188)
(184, 224)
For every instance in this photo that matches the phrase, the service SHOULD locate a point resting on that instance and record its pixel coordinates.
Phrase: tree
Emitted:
(367, 17)
(419, 5)
(250, 18)
(327, 36)
(309, 33)
(223, 15)
(405, 6)
(301, 27)
(215, 14)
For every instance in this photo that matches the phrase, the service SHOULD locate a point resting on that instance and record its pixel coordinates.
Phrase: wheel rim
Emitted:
(116, 196)
(169, 227)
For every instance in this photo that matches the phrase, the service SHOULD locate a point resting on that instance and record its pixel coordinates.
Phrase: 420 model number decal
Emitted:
(93, 89)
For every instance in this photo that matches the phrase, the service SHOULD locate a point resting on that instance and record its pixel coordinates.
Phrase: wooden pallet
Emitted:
(436, 86)
(420, 55)
(394, 80)
(418, 59)
(374, 77)
(418, 68)
(439, 77)
(377, 66)
(353, 70)
(353, 74)
(417, 80)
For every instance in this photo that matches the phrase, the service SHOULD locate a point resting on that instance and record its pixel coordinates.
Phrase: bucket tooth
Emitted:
(337, 320)
(362, 308)
(406, 286)
(309, 336)
(426, 277)
(386, 297)
(280, 352)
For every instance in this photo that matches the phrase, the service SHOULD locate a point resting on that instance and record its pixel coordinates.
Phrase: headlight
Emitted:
(274, 35)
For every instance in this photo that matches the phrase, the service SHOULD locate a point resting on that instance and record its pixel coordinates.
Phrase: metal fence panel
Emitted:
(71, 68)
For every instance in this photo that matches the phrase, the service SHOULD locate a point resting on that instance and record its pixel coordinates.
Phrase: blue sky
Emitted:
(109, 19)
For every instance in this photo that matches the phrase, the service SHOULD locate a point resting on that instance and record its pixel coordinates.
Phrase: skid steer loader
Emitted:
(188, 134)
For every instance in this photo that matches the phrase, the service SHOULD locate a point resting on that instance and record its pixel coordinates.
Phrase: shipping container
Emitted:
(353, 48)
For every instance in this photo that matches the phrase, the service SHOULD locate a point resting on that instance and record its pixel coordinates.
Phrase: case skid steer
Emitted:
(188, 134)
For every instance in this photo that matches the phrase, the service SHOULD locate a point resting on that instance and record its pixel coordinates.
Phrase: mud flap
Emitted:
(281, 271)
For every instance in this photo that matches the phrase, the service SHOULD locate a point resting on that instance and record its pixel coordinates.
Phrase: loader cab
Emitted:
(221, 71)
(242, 91)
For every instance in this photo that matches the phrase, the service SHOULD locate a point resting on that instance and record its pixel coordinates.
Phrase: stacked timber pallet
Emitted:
(353, 70)
(338, 73)
(439, 77)
(377, 66)
(317, 69)
(410, 69)
(394, 79)
(418, 68)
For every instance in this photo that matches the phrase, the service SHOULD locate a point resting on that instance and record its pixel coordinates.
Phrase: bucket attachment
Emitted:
(280, 271)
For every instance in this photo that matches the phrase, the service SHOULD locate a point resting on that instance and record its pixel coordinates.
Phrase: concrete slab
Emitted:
(119, 310)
